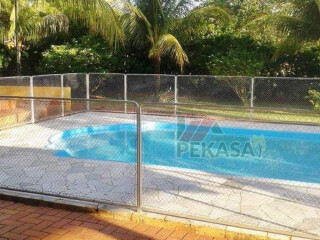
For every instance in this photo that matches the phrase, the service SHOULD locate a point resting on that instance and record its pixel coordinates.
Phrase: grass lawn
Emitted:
(227, 110)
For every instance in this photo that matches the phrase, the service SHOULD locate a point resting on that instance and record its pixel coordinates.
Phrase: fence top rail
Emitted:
(229, 107)
(137, 74)
(74, 73)
(214, 76)
(166, 75)
(286, 78)
(70, 99)
(97, 73)
(46, 75)
(14, 77)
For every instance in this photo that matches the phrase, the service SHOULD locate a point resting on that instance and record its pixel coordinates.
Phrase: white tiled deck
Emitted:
(27, 165)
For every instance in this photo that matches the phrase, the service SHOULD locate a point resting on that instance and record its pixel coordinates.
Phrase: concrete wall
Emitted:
(24, 91)
(15, 111)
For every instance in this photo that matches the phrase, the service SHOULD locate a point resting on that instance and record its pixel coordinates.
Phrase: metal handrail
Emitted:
(70, 99)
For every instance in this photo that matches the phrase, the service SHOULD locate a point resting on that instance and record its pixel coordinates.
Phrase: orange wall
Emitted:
(24, 91)
(45, 92)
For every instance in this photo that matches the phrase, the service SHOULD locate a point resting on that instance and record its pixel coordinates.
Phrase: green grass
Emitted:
(233, 110)
(257, 114)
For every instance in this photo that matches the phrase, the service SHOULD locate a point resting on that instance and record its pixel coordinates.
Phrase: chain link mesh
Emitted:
(284, 92)
(72, 156)
(15, 81)
(107, 85)
(276, 188)
(262, 168)
(75, 87)
(14, 86)
(77, 84)
(214, 89)
(45, 85)
(150, 88)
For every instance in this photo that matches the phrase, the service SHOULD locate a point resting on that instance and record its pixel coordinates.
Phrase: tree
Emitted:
(151, 24)
(37, 19)
(299, 24)
(148, 23)
(204, 22)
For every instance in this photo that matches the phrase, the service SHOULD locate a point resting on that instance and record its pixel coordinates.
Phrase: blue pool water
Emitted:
(231, 151)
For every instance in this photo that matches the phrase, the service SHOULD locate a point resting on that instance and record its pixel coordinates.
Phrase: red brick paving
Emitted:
(19, 221)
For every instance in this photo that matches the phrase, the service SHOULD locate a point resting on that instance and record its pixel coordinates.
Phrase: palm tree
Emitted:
(25, 21)
(36, 19)
(299, 25)
(151, 24)
(148, 23)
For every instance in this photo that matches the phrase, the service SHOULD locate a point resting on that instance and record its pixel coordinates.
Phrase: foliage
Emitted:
(147, 23)
(220, 37)
(40, 19)
(99, 16)
(204, 22)
(1, 57)
(299, 24)
(305, 63)
(314, 98)
(87, 54)
(36, 20)
(228, 55)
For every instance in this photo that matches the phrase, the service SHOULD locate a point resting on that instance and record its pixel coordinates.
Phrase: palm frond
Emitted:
(53, 23)
(169, 45)
(204, 17)
(296, 29)
(176, 8)
(5, 4)
(282, 23)
(100, 16)
(137, 26)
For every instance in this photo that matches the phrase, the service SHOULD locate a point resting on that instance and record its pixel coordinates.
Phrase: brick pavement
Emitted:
(19, 221)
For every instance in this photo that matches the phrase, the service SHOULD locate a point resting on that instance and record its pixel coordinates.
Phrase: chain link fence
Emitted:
(8, 88)
(202, 148)
(107, 85)
(150, 88)
(214, 89)
(289, 93)
(62, 156)
(259, 168)
(271, 92)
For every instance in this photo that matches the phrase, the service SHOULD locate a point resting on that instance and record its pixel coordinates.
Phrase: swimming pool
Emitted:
(285, 155)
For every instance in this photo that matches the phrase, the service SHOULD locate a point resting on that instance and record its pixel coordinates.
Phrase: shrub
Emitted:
(314, 98)
(88, 54)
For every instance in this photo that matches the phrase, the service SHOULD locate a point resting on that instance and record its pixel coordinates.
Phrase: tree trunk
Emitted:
(18, 42)
(157, 63)
(19, 53)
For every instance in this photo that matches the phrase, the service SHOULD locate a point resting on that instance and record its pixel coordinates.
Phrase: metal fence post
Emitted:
(88, 90)
(252, 92)
(62, 94)
(32, 100)
(252, 98)
(139, 160)
(125, 94)
(175, 93)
